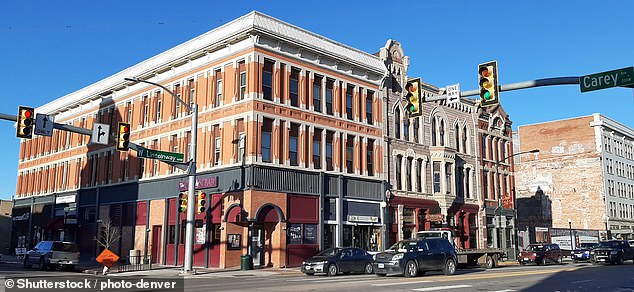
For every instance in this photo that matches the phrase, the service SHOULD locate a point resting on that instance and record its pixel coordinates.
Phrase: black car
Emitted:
(583, 252)
(414, 257)
(337, 260)
(613, 252)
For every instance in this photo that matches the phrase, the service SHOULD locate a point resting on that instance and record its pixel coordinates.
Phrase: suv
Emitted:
(414, 257)
(613, 252)
(53, 253)
(541, 254)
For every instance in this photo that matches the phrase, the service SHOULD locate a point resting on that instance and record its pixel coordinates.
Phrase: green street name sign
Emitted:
(614, 78)
(160, 155)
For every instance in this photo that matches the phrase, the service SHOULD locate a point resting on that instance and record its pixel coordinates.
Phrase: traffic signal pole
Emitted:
(529, 84)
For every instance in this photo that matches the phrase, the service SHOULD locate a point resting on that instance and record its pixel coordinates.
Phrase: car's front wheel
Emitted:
(368, 268)
(333, 270)
(411, 269)
(560, 260)
(450, 267)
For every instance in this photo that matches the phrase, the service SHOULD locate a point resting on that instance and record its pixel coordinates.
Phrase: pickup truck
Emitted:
(487, 257)
(613, 252)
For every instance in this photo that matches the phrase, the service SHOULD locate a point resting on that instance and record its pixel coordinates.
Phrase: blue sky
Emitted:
(51, 48)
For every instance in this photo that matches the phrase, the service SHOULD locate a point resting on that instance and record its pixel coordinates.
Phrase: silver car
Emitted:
(53, 254)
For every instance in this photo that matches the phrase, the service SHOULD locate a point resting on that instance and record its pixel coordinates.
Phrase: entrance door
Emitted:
(156, 242)
(257, 244)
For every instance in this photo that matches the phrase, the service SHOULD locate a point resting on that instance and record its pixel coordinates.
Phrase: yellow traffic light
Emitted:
(25, 122)
(202, 203)
(123, 137)
(488, 84)
(182, 202)
(414, 98)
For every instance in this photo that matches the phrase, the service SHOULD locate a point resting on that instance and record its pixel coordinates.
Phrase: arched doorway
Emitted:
(265, 235)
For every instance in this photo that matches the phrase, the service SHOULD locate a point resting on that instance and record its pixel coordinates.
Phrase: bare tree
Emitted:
(108, 234)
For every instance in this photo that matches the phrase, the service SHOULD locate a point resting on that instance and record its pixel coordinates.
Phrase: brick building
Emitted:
(584, 174)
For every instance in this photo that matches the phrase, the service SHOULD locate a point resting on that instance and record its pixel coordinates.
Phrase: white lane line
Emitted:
(442, 288)
(322, 279)
(401, 283)
(581, 281)
(505, 290)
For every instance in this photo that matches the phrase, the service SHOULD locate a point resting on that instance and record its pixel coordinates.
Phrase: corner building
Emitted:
(289, 152)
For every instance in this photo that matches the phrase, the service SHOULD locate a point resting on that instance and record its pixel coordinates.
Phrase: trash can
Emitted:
(135, 256)
(246, 263)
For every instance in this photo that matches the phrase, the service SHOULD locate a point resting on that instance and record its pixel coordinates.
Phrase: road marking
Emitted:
(338, 279)
(500, 275)
(402, 283)
(505, 290)
(581, 281)
(442, 288)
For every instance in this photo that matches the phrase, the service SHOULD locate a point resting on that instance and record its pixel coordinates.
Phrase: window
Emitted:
(217, 145)
(350, 154)
(460, 181)
(241, 146)
(294, 88)
(464, 139)
(349, 92)
(370, 157)
(329, 137)
(267, 127)
(329, 93)
(416, 128)
(397, 168)
(408, 174)
(128, 116)
(146, 113)
(483, 146)
(218, 94)
(457, 136)
(397, 123)
(434, 130)
(419, 175)
(485, 184)
(243, 80)
(317, 94)
(267, 80)
(192, 92)
(467, 183)
(368, 107)
(436, 168)
(293, 144)
(317, 149)
(441, 131)
(159, 104)
(177, 92)
(406, 130)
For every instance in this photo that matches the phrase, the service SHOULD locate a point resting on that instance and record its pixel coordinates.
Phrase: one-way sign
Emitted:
(44, 125)
(100, 133)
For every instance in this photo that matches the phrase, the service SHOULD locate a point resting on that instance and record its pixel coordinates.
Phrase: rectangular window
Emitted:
(370, 157)
(329, 84)
(267, 128)
(419, 175)
(317, 149)
(128, 107)
(406, 129)
(436, 168)
(349, 92)
(241, 146)
(368, 107)
(191, 97)
(398, 164)
(416, 127)
(218, 94)
(408, 174)
(329, 165)
(243, 81)
(159, 104)
(217, 145)
(293, 144)
(294, 88)
(146, 114)
(267, 80)
(448, 174)
(485, 184)
(177, 105)
(317, 94)
(350, 154)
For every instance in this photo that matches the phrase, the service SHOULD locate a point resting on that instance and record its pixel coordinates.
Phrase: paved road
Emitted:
(567, 277)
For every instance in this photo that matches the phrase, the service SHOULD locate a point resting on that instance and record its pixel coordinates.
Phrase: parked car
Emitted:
(541, 254)
(337, 260)
(613, 252)
(53, 254)
(583, 252)
(414, 257)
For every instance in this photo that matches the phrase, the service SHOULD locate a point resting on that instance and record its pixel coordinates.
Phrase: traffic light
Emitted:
(202, 202)
(488, 83)
(123, 137)
(25, 122)
(414, 98)
(182, 202)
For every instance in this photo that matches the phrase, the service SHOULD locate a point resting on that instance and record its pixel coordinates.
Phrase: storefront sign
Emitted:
(310, 234)
(295, 234)
(363, 218)
(65, 199)
(22, 217)
(201, 234)
(201, 183)
(434, 217)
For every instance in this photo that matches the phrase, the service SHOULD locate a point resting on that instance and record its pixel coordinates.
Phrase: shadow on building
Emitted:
(534, 218)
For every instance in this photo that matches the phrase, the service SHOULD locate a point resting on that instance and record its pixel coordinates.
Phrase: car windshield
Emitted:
(588, 245)
(535, 248)
(329, 252)
(64, 246)
(609, 244)
(403, 245)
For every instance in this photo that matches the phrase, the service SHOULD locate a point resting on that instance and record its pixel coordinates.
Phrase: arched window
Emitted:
(433, 131)
(457, 137)
(464, 140)
(397, 123)
(397, 168)
(441, 131)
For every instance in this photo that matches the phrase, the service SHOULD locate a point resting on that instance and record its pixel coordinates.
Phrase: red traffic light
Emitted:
(24, 127)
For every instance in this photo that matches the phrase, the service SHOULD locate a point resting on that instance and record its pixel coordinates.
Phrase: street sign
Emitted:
(100, 133)
(614, 78)
(160, 155)
(453, 93)
(44, 125)
(107, 258)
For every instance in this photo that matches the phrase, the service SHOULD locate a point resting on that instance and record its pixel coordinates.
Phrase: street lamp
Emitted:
(191, 171)
(497, 163)
(572, 244)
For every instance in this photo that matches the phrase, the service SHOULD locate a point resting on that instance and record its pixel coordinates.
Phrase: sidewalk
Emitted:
(172, 271)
